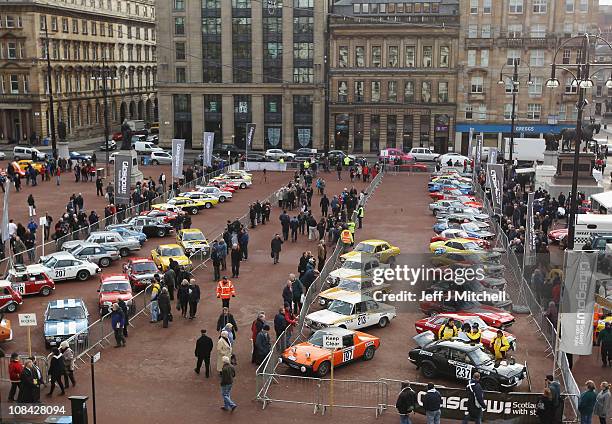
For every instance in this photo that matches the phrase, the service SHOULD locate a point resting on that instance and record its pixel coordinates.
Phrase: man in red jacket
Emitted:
(15, 369)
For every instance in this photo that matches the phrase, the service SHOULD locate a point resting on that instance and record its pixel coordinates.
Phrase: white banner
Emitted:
(178, 153)
(250, 134)
(207, 148)
(470, 139)
(5, 211)
(493, 155)
(530, 236)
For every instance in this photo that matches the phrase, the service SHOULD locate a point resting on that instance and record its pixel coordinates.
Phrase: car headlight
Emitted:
(128, 302)
(303, 368)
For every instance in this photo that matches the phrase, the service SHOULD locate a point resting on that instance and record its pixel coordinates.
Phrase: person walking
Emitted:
(154, 305)
(475, 402)
(262, 344)
(605, 341)
(15, 368)
(586, 403)
(194, 298)
(406, 401)
(68, 356)
(546, 408)
(236, 257)
(225, 291)
(285, 221)
(29, 388)
(203, 349)
(99, 187)
(165, 307)
(31, 205)
(224, 348)
(602, 403)
(170, 280)
(276, 247)
(56, 371)
(117, 321)
(216, 261)
(228, 373)
(182, 296)
(222, 251)
(227, 318)
(432, 401)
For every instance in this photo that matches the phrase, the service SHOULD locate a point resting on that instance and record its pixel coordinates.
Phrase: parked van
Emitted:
(146, 147)
(22, 152)
(525, 149)
(589, 224)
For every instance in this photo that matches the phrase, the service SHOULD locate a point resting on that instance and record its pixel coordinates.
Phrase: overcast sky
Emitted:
(605, 1)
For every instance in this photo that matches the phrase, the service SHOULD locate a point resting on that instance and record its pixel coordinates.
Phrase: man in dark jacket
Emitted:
(227, 318)
(118, 321)
(262, 344)
(288, 293)
(308, 278)
(170, 281)
(203, 348)
(324, 203)
(163, 301)
(605, 340)
(285, 220)
(475, 402)
(280, 323)
(297, 290)
(227, 380)
(405, 403)
(275, 246)
(194, 298)
(432, 401)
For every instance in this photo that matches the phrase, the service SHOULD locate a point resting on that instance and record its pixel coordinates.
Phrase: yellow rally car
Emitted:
(6, 333)
(356, 284)
(164, 252)
(24, 163)
(188, 205)
(193, 241)
(382, 250)
(457, 245)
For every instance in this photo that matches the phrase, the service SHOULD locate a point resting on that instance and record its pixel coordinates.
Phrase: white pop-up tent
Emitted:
(602, 202)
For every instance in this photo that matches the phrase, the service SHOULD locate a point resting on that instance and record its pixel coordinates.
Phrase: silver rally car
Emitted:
(124, 245)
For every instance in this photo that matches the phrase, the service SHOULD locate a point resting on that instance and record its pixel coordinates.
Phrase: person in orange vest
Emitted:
(225, 290)
(346, 237)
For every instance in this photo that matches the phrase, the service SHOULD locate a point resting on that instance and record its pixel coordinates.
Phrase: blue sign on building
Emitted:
(507, 128)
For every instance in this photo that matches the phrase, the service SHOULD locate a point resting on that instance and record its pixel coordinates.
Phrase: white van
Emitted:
(146, 147)
(21, 152)
(589, 224)
(525, 149)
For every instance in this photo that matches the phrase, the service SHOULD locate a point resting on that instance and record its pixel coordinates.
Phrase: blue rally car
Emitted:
(63, 319)
(435, 186)
(126, 232)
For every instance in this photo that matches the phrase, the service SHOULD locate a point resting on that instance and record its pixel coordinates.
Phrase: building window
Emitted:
(538, 31)
(179, 25)
(303, 75)
(570, 85)
(485, 31)
(211, 26)
(14, 80)
(303, 25)
(360, 56)
(376, 56)
(375, 91)
(342, 91)
(26, 83)
(482, 112)
(567, 55)
(211, 4)
(513, 56)
(569, 6)
(391, 130)
(472, 31)
(444, 56)
(409, 91)
(443, 92)
(392, 91)
(473, 7)
(516, 6)
(181, 75)
(11, 23)
(304, 51)
(484, 58)
(476, 85)
(515, 31)
(179, 5)
(11, 50)
(343, 53)
(583, 6)
(273, 50)
(410, 58)
(374, 132)
(508, 111)
(358, 88)
(535, 89)
(468, 112)
(486, 7)
(303, 3)
(426, 92)
(393, 57)
(471, 58)
(64, 24)
(179, 49)
(540, 6)
(427, 56)
(241, 4)
(536, 58)
(534, 111)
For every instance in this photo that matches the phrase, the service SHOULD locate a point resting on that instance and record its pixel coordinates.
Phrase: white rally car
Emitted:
(352, 311)
(356, 266)
(64, 266)
(215, 192)
(197, 195)
(241, 180)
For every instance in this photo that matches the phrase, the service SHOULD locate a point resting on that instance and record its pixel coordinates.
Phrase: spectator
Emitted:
(406, 401)
(15, 369)
(602, 403)
(432, 401)
(203, 349)
(586, 403)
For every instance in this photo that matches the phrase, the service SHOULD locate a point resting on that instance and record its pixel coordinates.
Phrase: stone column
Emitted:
(197, 120)
(287, 141)
(227, 117)
(256, 45)
(226, 52)
(257, 106)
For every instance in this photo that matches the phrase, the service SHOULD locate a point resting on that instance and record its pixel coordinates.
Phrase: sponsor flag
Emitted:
(5, 212)
(530, 236)
(123, 173)
(493, 155)
(250, 134)
(477, 157)
(178, 153)
(578, 302)
(495, 179)
(207, 148)
(470, 145)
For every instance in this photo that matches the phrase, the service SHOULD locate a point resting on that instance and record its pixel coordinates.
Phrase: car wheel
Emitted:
(82, 275)
(243, 186)
(11, 307)
(161, 232)
(45, 291)
(104, 262)
(383, 322)
(155, 162)
(193, 211)
(123, 252)
(324, 369)
(489, 383)
(369, 353)
(428, 369)
(207, 205)
(222, 199)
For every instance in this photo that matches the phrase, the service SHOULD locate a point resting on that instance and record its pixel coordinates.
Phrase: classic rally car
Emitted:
(455, 246)
(468, 258)
(127, 233)
(164, 252)
(310, 357)
(100, 254)
(65, 318)
(382, 250)
(140, 271)
(487, 334)
(455, 233)
(459, 360)
(495, 317)
(30, 279)
(449, 193)
(363, 285)
(557, 236)
(193, 241)
(222, 195)
(476, 231)
(224, 185)
(358, 265)
(241, 180)
(185, 204)
(113, 288)
(64, 266)
(24, 163)
(495, 294)
(352, 311)
(151, 227)
(198, 195)
(124, 245)
(166, 216)
(10, 299)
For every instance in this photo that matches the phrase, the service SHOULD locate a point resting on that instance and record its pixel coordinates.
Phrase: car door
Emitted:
(460, 365)
(374, 312)
(86, 253)
(60, 270)
(440, 359)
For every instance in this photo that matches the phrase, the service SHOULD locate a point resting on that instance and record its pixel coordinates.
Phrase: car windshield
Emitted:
(193, 236)
(470, 226)
(50, 262)
(115, 287)
(471, 246)
(171, 251)
(363, 247)
(479, 357)
(317, 338)
(142, 267)
(350, 285)
(341, 307)
(65, 314)
(74, 249)
(351, 265)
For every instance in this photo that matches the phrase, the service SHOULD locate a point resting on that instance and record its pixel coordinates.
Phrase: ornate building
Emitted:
(83, 36)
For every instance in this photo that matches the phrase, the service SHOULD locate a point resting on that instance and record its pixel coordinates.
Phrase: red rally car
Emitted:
(140, 272)
(113, 288)
(491, 315)
(450, 193)
(29, 280)
(166, 216)
(9, 298)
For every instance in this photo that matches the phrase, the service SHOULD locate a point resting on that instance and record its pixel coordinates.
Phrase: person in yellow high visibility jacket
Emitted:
(474, 335)
(448, 330)
(347, 161)
(351, 227)
(306, 164)
(360, 214)
(500, 345)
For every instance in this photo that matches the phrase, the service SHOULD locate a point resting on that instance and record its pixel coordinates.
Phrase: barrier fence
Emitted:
(41, 362)
(266, 372)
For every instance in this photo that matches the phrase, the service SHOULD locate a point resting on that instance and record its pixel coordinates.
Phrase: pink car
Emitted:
(391, 154)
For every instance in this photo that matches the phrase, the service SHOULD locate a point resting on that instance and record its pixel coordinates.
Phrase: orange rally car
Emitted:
(310, 357)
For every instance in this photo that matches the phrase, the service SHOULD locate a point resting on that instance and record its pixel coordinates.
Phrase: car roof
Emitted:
(353, 297)
(104, 233)
(62, 254)
(88, 244)
(65, 303)
(336, 331)
(107, 278)
(374, 241)
(456, 344)
(137, 260)
(191, 230)
(170, 245)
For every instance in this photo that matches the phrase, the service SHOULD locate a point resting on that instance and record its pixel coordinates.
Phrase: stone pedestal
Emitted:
(550, 158)
(561, 181)
(62, 149)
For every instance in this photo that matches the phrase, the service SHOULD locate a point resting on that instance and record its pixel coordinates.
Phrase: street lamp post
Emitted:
(51, 112)
(105, 77)
(582, 80)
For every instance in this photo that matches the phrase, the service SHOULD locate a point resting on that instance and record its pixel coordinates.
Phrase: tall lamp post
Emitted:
(50, 112)
(105, 76)
(514, 79)
(583, 80)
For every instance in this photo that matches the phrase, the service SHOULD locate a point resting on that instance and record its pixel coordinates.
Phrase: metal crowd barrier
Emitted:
(41, 362)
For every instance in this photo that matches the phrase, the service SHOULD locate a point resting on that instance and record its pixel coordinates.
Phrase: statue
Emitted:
(126, 136)
(569, 134)
(552, 141)
(61, 130)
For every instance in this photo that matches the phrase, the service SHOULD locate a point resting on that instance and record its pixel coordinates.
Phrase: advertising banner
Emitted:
(123, 172)
(470, 145)
(207, 148)
(5, 212)
(178, 153)
(578, 302)
(495, 178)
(250, 134)
(493, 155)
(530, 236)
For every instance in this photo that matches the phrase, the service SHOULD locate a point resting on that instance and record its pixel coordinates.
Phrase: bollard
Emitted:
(78, 405)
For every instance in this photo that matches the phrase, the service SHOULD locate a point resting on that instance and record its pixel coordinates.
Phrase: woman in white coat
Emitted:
(224, 348)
